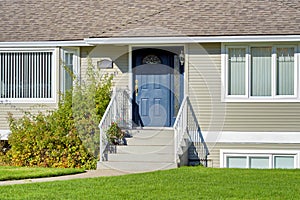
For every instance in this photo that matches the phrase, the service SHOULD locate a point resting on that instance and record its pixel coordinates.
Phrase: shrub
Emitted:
(114, 134)
(67, 136)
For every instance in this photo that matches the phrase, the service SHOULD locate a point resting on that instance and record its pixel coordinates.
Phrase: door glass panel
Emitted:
(259, 162)
(286, 162)
(237, 162)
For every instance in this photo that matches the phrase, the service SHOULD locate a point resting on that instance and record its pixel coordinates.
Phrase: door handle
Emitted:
(136, 88)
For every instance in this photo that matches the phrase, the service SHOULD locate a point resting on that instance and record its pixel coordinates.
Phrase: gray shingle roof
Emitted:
(49, 20)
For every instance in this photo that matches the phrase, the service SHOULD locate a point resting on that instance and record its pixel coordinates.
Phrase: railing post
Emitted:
(130, 115)
(101, 144)
(115, 105)
(175, 144)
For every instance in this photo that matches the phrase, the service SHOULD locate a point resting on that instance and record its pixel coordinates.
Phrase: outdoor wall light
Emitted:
(105, 63)
(181, 57)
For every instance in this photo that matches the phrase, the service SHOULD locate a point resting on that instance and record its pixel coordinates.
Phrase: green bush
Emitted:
(67, 136)
(115, 134)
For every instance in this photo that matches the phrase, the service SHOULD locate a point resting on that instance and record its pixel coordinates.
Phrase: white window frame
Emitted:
(53, 75)
(76, 65)
(247, 97)
(248, 153)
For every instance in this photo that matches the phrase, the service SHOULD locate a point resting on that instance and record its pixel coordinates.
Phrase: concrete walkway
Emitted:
(88, 174)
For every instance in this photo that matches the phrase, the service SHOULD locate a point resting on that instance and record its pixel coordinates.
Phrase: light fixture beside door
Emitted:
(105, 63)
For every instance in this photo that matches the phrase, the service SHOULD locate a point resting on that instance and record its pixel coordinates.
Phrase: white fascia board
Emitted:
(154, 40)
(45, 44)
(182, 40)
(251, 137)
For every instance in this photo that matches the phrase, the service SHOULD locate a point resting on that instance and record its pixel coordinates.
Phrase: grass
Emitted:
(16, 173)
(182, 183)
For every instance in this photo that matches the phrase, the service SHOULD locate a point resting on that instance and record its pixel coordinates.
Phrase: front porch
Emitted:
(150, 148)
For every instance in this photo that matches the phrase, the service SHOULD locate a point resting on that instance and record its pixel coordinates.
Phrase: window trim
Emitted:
(247, 98)
(249, 153)
(53, 98)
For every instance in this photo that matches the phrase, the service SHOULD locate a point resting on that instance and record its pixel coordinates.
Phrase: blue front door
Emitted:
(152, 83)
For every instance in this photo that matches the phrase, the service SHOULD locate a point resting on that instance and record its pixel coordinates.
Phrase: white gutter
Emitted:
(75, 43)
(183, 40)
(154, 40)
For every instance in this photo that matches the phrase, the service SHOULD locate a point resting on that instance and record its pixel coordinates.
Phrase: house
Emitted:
(220, 78)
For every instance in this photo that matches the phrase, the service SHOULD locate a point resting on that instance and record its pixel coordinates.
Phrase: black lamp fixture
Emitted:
(181, 57)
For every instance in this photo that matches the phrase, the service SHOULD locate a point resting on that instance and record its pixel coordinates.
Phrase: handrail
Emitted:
(186, 123)
(116, 111)
(179, 128)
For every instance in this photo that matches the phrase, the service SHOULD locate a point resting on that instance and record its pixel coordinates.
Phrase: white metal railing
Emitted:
(186, 123)
(118, 111)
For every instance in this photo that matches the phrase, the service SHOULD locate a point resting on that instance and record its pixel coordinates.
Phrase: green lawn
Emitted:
(182, 183)
(16, 173)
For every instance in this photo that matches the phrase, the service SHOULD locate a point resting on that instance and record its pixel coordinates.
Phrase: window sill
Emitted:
(278, 99)
(28, 101)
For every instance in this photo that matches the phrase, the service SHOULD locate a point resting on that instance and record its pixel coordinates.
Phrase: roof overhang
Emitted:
(184, 40)
(154, 40)
(75, 43)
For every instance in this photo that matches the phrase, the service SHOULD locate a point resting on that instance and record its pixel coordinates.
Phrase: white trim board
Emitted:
(154, 40)
(45, 44)
(205, 39)
(251, 137)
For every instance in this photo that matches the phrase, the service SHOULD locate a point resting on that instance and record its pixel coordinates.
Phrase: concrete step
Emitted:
(148, 157)
(152, 133)
(162, 149)
(136, 167)
(134, 141)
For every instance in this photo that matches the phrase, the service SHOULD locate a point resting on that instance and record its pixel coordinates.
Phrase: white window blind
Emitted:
(261, 71)
(236, 71)
(26, 74)
(285, 71)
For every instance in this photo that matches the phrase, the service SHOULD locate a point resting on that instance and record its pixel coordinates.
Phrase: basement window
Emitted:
(259, 160)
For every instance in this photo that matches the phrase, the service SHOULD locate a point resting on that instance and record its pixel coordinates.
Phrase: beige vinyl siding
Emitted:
(18, 111)
(118, 54)
(214, 157)
(204, 72)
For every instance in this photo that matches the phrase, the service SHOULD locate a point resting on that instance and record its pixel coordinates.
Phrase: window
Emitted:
(237, 71)
(236, 162)
(26, 75)
(68, 75)
(258, 159)
(69, 68)
(259, 162)
(260, 72)
(286, 162)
